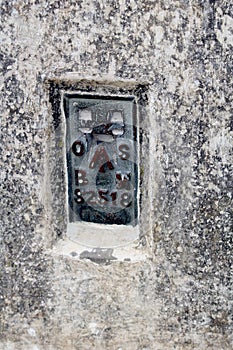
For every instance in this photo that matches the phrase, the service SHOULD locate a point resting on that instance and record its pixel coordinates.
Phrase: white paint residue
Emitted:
(221, 143)
(93, 328)
(112, 67)
(31, 332)
(225, 34)
(159, 32)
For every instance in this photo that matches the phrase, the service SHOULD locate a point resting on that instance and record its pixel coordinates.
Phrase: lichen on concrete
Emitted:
(180, 295)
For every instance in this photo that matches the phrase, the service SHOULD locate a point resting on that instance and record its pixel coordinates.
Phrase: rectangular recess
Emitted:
(102, 159)
(87, 233)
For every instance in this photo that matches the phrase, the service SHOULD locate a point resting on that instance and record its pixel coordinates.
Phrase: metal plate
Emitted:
(102, 158)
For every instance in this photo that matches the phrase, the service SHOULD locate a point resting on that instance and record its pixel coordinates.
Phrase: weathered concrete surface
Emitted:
(180, 297)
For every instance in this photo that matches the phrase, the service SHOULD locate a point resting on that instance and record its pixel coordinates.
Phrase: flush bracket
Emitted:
(102, 159)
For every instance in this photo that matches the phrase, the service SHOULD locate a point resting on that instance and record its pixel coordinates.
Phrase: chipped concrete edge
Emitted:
(103, 80)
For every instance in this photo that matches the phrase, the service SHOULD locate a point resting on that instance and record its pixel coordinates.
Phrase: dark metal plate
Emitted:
(102, 158)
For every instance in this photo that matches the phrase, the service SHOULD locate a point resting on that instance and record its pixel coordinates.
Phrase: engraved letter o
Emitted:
(78, 148)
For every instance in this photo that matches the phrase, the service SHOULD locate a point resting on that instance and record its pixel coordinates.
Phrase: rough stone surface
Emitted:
(180, 295)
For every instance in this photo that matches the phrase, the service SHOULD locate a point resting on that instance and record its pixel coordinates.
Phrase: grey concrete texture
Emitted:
(179, 296)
